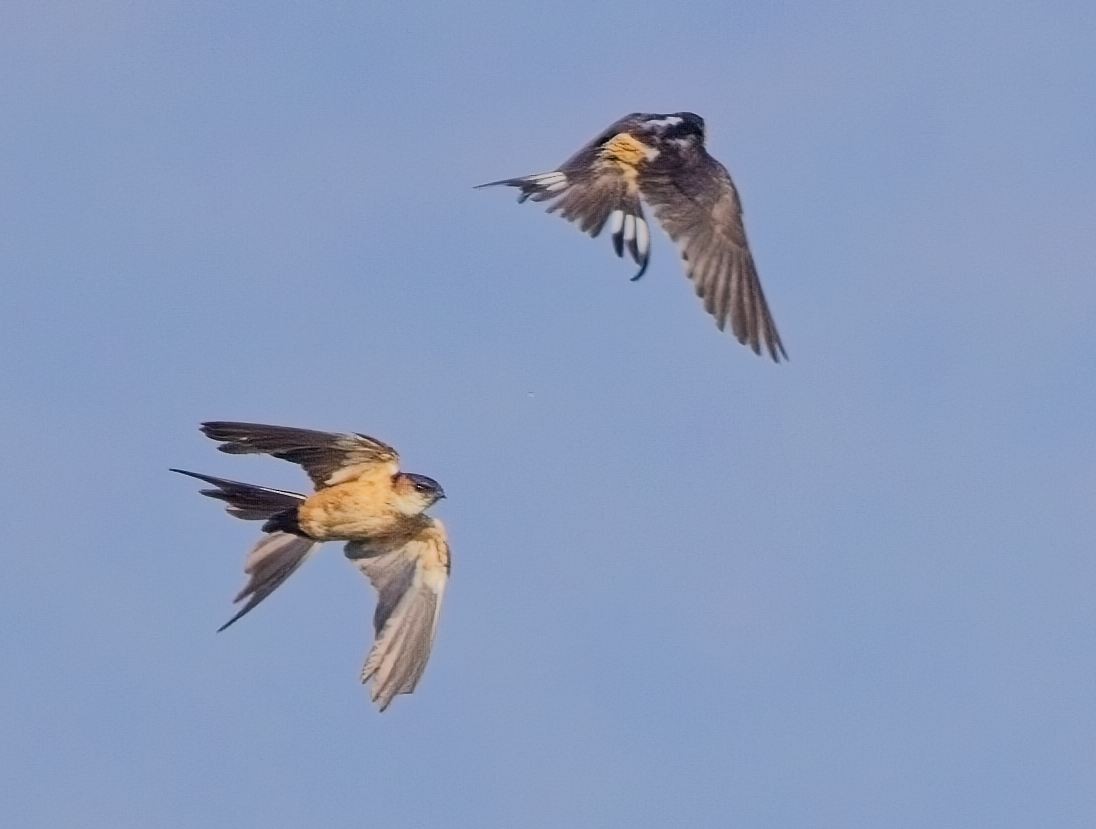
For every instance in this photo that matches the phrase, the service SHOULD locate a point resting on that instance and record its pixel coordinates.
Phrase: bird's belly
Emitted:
(344, 513)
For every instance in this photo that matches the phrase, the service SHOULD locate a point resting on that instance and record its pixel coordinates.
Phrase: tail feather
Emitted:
(278, 554)
(271, 561)
(248, 501)
(538, 187)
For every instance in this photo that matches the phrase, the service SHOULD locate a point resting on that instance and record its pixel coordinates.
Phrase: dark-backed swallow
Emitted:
(361, 497)
(661, 159)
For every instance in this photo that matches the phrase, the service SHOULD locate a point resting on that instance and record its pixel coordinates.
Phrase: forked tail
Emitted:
(277, 507)
(277, 555)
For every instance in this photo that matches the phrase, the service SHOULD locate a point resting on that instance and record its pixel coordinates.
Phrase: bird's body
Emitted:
(352, 510)
(363, 499)
(662, 160)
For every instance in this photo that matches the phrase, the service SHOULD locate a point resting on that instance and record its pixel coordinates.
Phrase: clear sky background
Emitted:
(690, 587)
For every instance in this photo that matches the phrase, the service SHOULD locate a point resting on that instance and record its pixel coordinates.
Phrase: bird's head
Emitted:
(680, 126)
(415, 493)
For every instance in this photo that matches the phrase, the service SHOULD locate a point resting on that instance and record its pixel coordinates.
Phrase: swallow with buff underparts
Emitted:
(361, 498)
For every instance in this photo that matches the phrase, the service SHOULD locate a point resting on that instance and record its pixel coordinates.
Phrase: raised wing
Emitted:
(329, 458)
(410, 575)
(697, 204)
(598, 186)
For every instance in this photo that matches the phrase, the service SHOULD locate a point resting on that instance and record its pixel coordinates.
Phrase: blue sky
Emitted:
(690, 587)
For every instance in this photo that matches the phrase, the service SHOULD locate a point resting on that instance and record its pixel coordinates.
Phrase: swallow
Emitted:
(362, 498)
(661, 160)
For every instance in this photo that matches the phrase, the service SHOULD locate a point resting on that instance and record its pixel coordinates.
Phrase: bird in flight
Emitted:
(361, 497)
(661, 159)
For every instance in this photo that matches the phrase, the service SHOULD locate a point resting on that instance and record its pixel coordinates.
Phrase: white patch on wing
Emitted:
(643, 237)
(554, 179)
(629, 227)
(668, 121)
(616, 221)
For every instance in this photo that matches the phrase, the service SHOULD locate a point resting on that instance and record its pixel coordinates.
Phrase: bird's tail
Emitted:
(538, 187)
(277, 555)
(277, 507)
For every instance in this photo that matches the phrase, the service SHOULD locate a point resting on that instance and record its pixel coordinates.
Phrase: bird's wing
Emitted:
(271, 561)
(697, 204)
(410, 575)
(598, 186)
(329, 458)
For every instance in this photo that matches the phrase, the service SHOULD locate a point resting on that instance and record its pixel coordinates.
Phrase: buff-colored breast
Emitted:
(356, 509)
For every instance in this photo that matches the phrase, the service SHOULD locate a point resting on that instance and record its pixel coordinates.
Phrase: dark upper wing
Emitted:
(597, 186)
(696, 202)
(410, 576)
(328, 457)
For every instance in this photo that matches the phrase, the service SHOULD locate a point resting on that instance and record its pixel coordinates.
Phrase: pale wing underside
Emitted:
(700, 210)
(328, 457)
(273, 559)
(410, 580)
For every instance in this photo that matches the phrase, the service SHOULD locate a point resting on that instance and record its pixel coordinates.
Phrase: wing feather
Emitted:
(329, 458)
(598, 185)
(697, 204)
(410, 575)
(273, 559)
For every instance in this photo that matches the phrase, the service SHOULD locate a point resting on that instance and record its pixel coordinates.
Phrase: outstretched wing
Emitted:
(696, 202)
(598, 186)
(329, 458)
(410, 575)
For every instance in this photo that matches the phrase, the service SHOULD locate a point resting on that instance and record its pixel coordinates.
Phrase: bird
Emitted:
(661, 159)
(362, 498)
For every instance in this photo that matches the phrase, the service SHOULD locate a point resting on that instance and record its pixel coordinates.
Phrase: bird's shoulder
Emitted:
(368, 488)
(692, 189)
(687, 170)
(377, 470)
(434, 541)
(614, 147)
